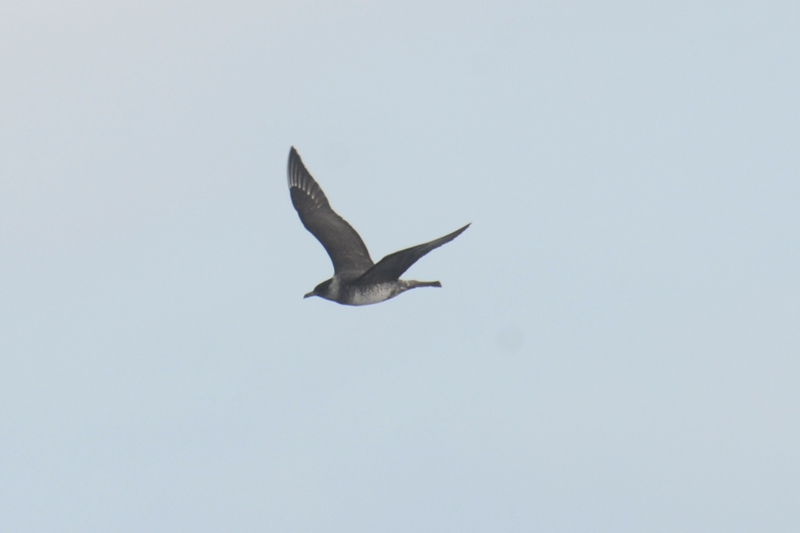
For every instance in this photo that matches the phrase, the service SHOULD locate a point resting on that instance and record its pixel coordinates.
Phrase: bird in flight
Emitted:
(356, 279)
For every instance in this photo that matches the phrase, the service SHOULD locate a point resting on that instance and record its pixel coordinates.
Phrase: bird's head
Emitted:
(322, 290)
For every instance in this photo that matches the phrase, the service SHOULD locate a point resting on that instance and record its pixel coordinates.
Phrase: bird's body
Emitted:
(356, 279)
(351, 293)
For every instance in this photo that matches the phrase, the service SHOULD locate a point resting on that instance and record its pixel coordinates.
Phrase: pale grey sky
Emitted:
(616, 343)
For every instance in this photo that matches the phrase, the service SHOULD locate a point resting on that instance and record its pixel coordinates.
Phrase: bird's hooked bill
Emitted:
(310, 294)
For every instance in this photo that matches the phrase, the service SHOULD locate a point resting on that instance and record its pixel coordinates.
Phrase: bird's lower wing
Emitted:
(391, 267)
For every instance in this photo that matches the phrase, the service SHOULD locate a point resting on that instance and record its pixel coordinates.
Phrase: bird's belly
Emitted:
(373, 294)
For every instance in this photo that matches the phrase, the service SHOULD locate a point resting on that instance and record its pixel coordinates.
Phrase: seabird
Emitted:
(356, 279)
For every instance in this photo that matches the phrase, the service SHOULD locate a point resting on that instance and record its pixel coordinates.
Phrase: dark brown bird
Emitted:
(356, 279)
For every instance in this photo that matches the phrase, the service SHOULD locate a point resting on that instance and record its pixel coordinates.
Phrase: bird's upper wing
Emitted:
(391, 267)
(347, 251)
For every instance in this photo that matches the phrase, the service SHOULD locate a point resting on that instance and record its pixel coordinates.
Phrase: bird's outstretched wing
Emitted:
(391, 267)
(347, 251)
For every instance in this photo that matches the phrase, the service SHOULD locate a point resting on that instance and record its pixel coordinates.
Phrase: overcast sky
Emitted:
(616, 345)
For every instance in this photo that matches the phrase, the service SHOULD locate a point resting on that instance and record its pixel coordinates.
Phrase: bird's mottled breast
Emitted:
(372, 294)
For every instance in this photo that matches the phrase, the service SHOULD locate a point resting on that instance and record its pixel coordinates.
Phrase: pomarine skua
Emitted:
(356, 279)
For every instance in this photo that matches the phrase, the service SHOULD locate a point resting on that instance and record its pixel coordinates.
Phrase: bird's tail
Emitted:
(413, 284)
